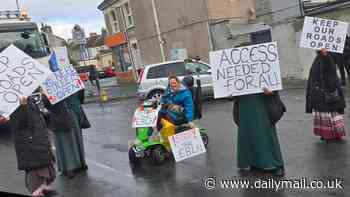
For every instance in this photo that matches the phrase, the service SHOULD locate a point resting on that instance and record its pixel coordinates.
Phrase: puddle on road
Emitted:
(118, 147)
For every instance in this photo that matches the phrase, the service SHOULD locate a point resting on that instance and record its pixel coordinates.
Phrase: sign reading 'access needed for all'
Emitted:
(245, 70)
(324, 33)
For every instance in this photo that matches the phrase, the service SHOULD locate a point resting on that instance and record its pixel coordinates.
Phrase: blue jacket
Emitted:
(183, 98)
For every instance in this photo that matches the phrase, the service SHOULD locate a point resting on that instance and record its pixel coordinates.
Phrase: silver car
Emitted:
(154, 78)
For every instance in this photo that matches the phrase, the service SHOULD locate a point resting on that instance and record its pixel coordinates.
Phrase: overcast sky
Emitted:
(62, 14)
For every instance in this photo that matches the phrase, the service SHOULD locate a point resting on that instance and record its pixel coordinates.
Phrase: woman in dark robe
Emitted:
(325, 98)
(257, 141)
(66, 123)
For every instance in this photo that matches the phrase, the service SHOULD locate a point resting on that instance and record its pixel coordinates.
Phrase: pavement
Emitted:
(114, 91)
(111, 175)
(117, 92)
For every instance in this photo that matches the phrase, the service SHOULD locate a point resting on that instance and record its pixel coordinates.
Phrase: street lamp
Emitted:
(17, 5)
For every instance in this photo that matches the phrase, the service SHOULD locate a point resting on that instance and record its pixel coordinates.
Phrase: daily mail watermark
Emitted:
(276, 185)
(324, 33)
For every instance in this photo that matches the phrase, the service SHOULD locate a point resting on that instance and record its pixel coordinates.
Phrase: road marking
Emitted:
(101, 165)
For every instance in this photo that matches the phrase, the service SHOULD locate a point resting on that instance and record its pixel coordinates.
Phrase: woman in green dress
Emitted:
(257, 143)
(66, 124)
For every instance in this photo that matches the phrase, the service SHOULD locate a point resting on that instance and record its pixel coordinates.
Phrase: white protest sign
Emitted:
(245, 70)
(324, 33)
(20, 75)
(146, 117)
(62, 83)
(186, 144)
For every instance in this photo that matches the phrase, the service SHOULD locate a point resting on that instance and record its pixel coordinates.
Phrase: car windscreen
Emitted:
(165, 70)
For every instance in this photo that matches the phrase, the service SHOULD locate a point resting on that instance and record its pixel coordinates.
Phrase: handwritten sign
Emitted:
(187, 144)
(324, 33)
(145, 118)
(245, 70)
(20, 75)
(62, 83)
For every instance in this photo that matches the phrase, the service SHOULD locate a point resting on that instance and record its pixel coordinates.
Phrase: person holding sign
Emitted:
(67, 123)
(177, 104)
(33, 145)
(325, 98)
(257, 142)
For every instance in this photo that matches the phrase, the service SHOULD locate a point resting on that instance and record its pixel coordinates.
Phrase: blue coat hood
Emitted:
(183, 97)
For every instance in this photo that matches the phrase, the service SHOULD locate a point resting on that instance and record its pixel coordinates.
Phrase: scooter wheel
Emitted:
(158, 155)
(205, 139)
(132, 156)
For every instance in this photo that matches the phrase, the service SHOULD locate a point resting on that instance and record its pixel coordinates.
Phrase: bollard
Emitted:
(104, 96)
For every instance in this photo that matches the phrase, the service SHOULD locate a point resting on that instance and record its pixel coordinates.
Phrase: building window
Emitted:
(319, 6)
(115, 24)
(128, 18)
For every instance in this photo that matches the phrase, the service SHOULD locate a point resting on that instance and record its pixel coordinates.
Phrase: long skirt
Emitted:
(37, 177)
(328, 125)
(70, 148)
(257, 143)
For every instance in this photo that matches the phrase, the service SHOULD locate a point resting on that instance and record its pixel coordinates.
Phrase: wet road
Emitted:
(110, 173)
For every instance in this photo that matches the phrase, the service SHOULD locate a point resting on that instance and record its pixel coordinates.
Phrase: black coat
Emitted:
(323, 75)
(31, 137)
(59, 118)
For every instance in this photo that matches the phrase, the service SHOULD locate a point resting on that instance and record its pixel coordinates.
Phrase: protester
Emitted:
(33, 146)
(325, 99)
(257, 143)
(66, 123)
(177, 103)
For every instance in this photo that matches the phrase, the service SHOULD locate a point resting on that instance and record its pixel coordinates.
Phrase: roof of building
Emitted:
(95, 41)
(105, 4)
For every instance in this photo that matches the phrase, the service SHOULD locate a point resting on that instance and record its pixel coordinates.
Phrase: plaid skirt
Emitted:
(328, 125)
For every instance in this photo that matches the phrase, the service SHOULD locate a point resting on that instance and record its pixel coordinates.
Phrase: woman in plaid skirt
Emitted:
(325, 99)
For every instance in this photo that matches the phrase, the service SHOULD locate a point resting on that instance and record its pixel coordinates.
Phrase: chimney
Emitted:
(93, 34)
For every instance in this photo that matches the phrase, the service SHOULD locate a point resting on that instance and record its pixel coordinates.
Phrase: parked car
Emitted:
(84, 76)
(101, 74)
(109, 72)
(153, 79)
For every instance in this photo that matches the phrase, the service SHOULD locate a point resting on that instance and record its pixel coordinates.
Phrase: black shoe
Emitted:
(82, 169)
(49, 193)
(85, 168)
(244, 171)
(69, 174)
(279, 171)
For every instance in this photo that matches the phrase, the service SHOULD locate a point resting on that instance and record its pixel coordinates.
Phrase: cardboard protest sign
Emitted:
(245, 70)
(187, 144)
(62, 83)
(145, 118)
(20, 75)
(324, 33)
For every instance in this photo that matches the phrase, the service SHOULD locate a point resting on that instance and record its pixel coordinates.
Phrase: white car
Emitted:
(153, 79)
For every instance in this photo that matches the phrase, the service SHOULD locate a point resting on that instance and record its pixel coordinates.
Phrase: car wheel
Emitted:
(132, 156)
(156, 94)
(205, 139)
